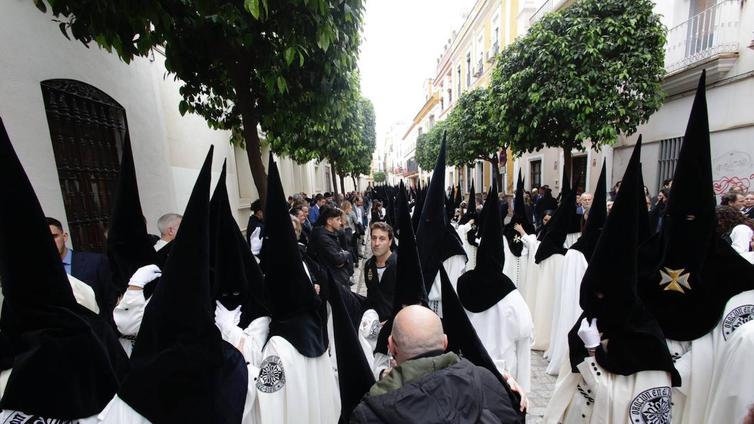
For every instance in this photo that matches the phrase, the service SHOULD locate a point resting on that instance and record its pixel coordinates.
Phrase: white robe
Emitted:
(567, 309)
(127, 315)
(505, 330)
(118, 412)
(515, 266)
(469, 248)
(12, 417)
(455, 266)
(292, 388)
(84, 294)
(571, 238)
(731, 394)
(596, 396)
(544, 299)
(698, 364)
(528, 285)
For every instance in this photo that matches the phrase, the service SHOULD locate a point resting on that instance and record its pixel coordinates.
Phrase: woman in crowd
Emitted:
(735, 228)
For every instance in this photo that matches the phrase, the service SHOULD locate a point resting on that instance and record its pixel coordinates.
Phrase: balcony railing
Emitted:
(712, 32)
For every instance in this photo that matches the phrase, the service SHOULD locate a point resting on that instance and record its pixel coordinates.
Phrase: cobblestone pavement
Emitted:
(542, 385)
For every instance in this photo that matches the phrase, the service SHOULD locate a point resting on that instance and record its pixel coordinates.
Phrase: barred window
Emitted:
(670, 148)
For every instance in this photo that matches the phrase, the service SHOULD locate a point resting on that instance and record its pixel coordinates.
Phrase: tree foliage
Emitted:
(244, 64)
(379, 177)
(582, 74)
(428, 145)
(473, 131)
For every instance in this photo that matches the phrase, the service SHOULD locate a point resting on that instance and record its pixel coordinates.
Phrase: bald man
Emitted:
(430, 386)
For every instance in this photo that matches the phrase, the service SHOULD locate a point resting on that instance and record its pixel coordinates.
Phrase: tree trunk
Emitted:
(334, 179)
(355, 187)
(496, 174)
(342, 185)
(251, 137)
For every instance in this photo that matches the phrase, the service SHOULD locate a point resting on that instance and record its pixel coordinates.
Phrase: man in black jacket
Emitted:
(380, 271)
(429, 386)
(325, 246)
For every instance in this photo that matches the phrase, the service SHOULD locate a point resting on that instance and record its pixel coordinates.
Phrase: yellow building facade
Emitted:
(466, 62)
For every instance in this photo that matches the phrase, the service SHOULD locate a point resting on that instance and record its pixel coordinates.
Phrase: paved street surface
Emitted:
(541, 383)
(542, 387)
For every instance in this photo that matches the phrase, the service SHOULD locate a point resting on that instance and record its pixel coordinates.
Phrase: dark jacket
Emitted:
(325, 248)
(94, 270)
(437, 389)
(380, 292)
(254, 223)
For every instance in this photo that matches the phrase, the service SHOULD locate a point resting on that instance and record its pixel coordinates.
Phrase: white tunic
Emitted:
(12, 417)
(700, 363)
(528, 285)
(731, 394)
(567, 309)
(127, 315)
(544, 299)
(600, 397)
(515, 266)
(84, 294)
(455, 266)
(292, 388)
(505, 330)
(469, 248)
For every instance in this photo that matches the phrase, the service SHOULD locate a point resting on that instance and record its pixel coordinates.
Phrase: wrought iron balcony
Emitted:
(704, 36)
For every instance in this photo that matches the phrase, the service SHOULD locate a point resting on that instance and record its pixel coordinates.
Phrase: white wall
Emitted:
(33, 50)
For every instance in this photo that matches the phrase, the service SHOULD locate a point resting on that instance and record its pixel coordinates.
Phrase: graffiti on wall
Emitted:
(732, 169)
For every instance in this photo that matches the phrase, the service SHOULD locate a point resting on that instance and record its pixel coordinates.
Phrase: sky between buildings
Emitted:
(401, 42)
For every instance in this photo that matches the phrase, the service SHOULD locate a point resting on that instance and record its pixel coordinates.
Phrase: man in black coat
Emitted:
(429, 386)
(325, 247)
(380, 271)
(91, 268)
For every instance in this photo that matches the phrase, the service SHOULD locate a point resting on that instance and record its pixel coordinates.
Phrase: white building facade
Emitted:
(68, 109)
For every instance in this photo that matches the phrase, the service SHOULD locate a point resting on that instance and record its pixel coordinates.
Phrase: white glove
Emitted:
(589, 333)
(144, 275)
(256, 241)
(224, 317)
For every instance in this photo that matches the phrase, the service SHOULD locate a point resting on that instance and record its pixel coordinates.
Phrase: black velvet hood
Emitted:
(515, 244)
(67, 362)
(561, 223)
(436, 239)
(596, 219)
(295, 306)
(179, 358)
(687, 274)
(634, 340)
(486, 285)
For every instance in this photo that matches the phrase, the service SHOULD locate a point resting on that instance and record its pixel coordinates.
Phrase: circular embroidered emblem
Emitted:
(271, 375)
(374, 331)
(736, 318)
(651, 407)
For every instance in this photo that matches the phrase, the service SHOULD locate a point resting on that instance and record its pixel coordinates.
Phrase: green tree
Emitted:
(473, 133)
(582, 74)
(244, 63)
(428, 145)
(378, 177)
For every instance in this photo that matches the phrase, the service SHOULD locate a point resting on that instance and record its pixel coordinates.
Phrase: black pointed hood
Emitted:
(409, 281)
(179, 357)
(355, 376)
(236, 276)
(435, 238)
(66, 360)
(128, 244)
(463, 338)
(596, 218)
(560, 225)
(609, 291)
(470, 212)
(520, 216)
(688, 274)
(486, 285)
(294, 303)
(458, 197)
